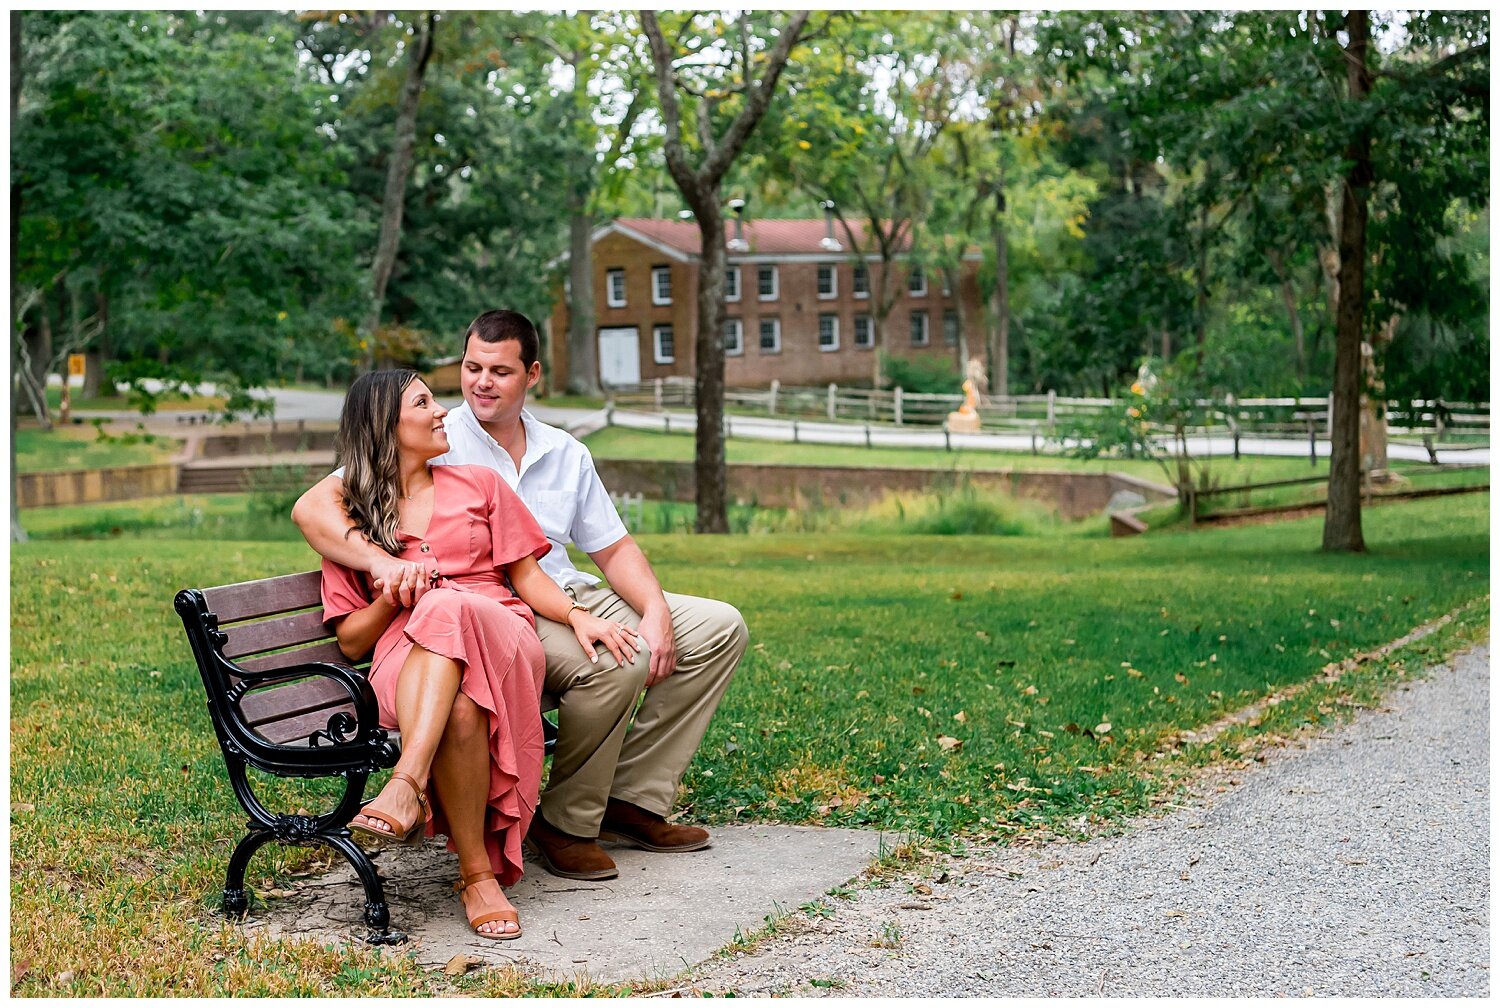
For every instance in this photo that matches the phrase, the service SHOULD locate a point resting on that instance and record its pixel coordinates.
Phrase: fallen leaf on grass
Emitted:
(948, 743)
(461, 964)
(1103, 728)
(960, 717)
(23, 807)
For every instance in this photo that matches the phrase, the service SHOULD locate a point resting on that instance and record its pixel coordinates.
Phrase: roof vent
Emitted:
(829, 242)
(738, 243)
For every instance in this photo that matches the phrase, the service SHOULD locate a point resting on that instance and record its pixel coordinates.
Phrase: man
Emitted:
(606, 782)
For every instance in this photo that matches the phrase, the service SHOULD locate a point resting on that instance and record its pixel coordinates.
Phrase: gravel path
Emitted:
(1354, 864)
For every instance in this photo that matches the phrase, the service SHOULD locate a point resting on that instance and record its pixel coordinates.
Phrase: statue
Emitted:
(965, 420)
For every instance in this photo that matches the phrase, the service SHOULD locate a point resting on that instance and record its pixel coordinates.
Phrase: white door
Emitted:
(620, 356)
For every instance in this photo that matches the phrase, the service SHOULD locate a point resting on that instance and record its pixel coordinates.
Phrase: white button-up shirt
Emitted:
(557, 481)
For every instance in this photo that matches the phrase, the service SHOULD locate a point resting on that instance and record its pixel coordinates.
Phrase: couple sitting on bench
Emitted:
(444, 540)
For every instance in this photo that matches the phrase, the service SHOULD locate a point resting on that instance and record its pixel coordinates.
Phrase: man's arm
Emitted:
(629, 573)
(320, 516)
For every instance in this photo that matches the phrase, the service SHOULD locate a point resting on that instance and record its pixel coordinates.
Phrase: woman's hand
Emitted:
(400, 582)
(619, 639)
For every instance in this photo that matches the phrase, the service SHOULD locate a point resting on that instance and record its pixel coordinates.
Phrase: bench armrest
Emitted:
(347, 742)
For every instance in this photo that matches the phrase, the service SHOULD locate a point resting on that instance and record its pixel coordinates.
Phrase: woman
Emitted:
(458, 672)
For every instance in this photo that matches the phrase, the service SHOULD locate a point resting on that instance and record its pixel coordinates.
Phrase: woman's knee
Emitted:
(467, 721)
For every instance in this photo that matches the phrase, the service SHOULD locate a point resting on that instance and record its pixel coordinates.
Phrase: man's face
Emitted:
(494, 381)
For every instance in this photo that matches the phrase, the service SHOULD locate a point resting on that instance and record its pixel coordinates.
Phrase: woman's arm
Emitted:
(359, 630)
(540, 592)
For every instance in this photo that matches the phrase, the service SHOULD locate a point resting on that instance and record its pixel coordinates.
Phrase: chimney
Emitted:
(738, 243)
(829, 242)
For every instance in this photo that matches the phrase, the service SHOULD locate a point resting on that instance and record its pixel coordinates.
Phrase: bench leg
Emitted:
(377, 913)
(236, 900)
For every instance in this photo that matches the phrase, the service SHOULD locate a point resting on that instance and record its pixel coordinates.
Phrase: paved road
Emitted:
(1354, 865)
(324, 406)
(823, 432)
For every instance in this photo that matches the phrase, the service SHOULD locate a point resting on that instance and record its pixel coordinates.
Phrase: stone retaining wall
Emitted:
(1074, 495)
(89, 486)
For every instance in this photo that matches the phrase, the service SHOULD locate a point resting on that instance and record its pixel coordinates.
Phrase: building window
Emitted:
(661, 339)
(661, 285)
(916, 282)
(950, 328)
(614, 288)
(770, 335)
(919, 328)
(767, 283)
(864, 333)
(828, 333)
(731, 283)
(828, 280)
(734, 337)
(861, 280)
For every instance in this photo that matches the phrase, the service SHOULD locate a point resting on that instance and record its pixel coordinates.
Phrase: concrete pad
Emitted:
(663, 913)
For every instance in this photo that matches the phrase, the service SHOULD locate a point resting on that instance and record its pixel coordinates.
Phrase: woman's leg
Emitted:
(461, 777)
(425, 689)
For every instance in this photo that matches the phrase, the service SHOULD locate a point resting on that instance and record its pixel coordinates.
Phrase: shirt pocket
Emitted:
(553, 511)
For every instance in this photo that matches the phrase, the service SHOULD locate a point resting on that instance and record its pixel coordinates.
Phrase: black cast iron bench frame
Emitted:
(285, 701)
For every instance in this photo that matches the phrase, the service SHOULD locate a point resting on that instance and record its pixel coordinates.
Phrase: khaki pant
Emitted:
(596, 757)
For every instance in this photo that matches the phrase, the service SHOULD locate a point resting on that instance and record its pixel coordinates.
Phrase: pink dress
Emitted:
(471, 616)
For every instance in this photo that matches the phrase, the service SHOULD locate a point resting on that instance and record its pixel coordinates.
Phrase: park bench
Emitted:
(284, 701)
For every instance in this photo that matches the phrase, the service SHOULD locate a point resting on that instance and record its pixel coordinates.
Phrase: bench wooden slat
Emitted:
(292, 699)
(305, 627)
(297, 729)
(324, 651)
(266, 597)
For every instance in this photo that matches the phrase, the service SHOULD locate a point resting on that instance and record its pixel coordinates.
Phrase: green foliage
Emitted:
(171, 174)
(921, 374)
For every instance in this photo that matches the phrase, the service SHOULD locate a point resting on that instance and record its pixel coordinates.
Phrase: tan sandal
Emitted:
(400, 832)
(494, 915)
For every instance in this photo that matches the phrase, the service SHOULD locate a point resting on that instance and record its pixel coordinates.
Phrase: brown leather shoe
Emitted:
(627, 823)
(568, 856)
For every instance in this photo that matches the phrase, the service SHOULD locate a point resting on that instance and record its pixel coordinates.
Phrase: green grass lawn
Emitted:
(623, 443)
(80, 447)
(958, 687)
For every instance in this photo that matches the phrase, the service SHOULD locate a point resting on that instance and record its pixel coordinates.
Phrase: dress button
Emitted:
(426, 548)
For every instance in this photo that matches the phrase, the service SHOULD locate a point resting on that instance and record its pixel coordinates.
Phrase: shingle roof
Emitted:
(765, 236)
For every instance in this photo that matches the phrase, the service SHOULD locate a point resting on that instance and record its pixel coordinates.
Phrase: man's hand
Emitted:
(656, 631)
(400, 582)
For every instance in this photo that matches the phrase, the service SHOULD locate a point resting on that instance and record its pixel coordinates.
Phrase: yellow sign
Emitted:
(75, 365)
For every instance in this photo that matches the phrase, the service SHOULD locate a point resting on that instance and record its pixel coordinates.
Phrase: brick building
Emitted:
(799, 305)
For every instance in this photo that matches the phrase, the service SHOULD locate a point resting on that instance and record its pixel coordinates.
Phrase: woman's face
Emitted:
(419, 429)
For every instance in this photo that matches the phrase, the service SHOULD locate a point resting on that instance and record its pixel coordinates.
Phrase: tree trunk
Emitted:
(1000, 347)
(1200, 307)
(700, 186)
(17, 530)
(398, 170)
(1294, 317)
(583, 347)
(1341, 524)
(954, 278)
(708, 385)
(1374, 440)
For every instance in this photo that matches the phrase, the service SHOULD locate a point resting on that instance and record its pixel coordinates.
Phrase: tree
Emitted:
(207, 226)
(860, 137)
(1387, 115)
(418, 52)
(603, 82)
(730, 83)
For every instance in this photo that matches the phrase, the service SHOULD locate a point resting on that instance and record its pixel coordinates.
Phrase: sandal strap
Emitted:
(397, 828)
(411, 782)
(495, 915)
(467, 879)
